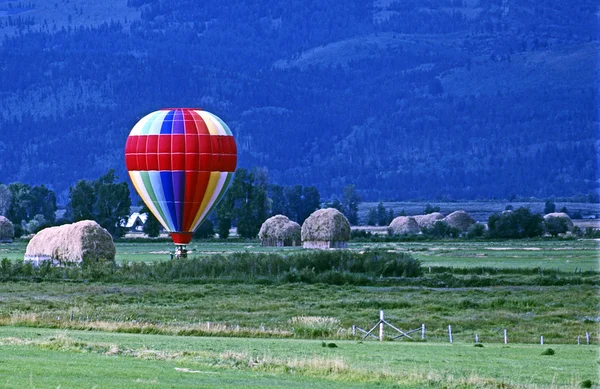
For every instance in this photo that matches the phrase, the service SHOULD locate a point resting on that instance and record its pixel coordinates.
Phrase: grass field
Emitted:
(48, 358)
(227, 332)
(564, 255)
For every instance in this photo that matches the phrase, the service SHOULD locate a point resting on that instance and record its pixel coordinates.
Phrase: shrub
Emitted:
(441, 229)
(477, 230)
(520, 223)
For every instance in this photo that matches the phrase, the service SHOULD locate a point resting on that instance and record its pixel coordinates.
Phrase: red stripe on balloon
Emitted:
(181, 153)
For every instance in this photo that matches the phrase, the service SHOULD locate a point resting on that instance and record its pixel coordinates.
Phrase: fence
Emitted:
(382, 323)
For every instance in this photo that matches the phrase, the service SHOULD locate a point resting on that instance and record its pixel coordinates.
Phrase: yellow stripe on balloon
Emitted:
(210, 189)
(215, 195)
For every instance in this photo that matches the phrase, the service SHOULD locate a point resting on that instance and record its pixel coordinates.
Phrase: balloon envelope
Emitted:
(181, 162)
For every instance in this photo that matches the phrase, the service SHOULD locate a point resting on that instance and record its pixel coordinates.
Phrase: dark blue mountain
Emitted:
(404, 99)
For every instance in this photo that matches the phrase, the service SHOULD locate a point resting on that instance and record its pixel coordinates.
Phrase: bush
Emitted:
(441, 229)
(556, 225)
(520, 223)
(548, 351)
(477, 230)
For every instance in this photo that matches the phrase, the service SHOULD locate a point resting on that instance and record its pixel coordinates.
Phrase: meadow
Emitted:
(166, 323)
(565, 255)
(45, 358)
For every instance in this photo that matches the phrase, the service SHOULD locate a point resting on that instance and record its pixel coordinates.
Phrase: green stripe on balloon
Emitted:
(148, 187)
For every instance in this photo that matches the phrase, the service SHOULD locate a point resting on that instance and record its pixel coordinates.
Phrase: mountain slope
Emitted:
(404, 99)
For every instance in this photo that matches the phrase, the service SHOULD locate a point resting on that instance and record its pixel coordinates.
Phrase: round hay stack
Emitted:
(560, 215)
(460, 220)
(7, 230)
(279, 231)
(325, 229)
(428, 220)
(71, 243)
(404, 225)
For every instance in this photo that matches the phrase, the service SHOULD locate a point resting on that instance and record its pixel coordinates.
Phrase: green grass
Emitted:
(139, 331)
(564, 255)
(559, 313)
(47, 358)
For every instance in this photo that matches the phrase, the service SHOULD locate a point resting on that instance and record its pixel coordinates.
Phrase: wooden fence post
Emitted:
(353, 330)
(587, 338)
(476, 338)
(422, 331)
(505, 337)
(450, 332)
(381, 326)
(578, 340)
(542, 339)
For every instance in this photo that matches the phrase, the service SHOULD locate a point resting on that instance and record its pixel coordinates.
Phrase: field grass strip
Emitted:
(329, 368)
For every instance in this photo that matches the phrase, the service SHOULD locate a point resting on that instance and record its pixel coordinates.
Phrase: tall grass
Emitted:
(332, 267)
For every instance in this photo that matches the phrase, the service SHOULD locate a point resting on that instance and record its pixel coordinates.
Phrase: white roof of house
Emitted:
(134, 217)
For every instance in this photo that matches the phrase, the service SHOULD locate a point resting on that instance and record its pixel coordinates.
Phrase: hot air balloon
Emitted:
(181, 161)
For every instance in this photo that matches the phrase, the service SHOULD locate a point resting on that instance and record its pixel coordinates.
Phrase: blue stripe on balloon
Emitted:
(178, 127)
(179, 195)
(167, 124)
(166, 179)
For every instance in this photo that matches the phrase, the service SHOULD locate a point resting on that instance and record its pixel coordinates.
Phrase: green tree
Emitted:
(441, 229)
(152, 225)
(372, 217)
(278, 200)
(43, 203)
(103, 200)
(205, 230)
(293, 195)
(311, 201)
(350, 203)
(82, 198)
(246, 203)
(19, 210)
(430, 209)
(5, 199)
(520, 223)
(382, 215)
(337, 204)
(549, 207)
(390, 217)
(113, 203)
(556, 225)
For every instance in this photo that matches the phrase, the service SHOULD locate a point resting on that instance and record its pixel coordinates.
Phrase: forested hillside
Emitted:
(404, 99)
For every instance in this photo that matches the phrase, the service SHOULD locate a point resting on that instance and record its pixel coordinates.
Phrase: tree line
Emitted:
(250, 200)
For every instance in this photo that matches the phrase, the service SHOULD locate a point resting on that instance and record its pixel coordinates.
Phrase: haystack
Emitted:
(326, 228)
(280, 231)
(428, 220)
(404, 225)
(560, 215)
(71, 243)
(7, 230)
(460, 220)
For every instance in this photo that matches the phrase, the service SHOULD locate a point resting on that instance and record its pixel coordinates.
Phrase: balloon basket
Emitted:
(180, 252)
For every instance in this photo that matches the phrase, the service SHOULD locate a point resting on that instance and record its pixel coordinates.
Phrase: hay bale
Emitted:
(557, 216)
(428, 220)
(7, 230)
(326, 228)
(404, 225)
(279, 230)
(460, 220)
(71, 243)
